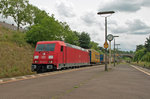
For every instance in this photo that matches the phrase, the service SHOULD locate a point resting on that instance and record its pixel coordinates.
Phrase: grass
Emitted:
(142, 64)
(15, 54)
(76, 86)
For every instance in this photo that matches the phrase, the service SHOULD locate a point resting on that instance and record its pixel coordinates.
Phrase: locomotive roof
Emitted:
(45, 42)
(63, 44)
(76, 47)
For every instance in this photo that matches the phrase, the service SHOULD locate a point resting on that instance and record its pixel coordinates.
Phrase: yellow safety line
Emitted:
(141, 70)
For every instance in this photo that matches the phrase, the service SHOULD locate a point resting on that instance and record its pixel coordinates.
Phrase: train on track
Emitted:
(55, 55)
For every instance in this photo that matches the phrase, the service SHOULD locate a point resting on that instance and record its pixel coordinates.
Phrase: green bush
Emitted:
(146, 57)
(139, 54)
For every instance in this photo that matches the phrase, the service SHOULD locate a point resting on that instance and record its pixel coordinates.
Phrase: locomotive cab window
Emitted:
(61, 49)
(45, 47)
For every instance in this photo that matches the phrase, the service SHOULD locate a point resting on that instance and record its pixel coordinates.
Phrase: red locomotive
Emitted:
(55, 55)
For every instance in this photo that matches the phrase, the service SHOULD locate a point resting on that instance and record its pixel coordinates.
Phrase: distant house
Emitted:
(10, 26)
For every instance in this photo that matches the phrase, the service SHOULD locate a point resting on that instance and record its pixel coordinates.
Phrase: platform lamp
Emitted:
(107, 14)
(114, 50)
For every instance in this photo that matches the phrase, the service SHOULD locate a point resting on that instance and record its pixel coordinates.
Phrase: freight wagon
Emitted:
(94, 56)
(101, 58)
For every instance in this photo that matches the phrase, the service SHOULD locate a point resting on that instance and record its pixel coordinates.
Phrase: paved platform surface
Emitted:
(121, 82)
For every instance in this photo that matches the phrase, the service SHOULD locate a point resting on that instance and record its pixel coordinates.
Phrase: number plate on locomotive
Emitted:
(43, 57)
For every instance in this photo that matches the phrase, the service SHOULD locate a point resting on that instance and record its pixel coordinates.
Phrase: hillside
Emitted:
(15, 54)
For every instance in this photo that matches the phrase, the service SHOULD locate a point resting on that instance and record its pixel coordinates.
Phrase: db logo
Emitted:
(43, 57)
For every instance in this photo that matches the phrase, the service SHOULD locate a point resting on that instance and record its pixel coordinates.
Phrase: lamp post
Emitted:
(107, 13)
(114, 50)
(110, 37)
(117, 51)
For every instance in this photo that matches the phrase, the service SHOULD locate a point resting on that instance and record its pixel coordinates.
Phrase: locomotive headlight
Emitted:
(50, 57)
(36, 57)
(36, 61)
(50, 61)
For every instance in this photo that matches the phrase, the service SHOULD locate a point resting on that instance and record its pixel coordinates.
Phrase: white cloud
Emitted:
(65, 8)
(136, 27)
(146, 3)
(89, 18)
(128, 41)
(125, 5)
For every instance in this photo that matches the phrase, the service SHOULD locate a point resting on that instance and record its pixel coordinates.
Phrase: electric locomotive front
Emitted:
(46, 56)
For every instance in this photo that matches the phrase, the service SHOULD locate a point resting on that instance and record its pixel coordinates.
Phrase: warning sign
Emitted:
(106, 45)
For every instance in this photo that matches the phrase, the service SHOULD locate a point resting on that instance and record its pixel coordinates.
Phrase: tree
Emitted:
(139, 54)
(147, 44)
(76, 37)
(68, 35)
(71, 38)
(94, 45)
(131, 52)
(143, 52)
(30, 14)
(84, 40)
(37, 33)
(39, 15)
(52, 29)
(139, 47)
(102, 49)
(47, 29)
(77, 33)
(3, 5)
(15, 9)
(146, 57)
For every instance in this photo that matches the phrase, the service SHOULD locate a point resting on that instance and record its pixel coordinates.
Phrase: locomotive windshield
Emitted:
(45, 47)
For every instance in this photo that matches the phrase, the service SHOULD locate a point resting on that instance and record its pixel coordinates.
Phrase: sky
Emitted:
(131, 20)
